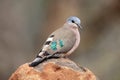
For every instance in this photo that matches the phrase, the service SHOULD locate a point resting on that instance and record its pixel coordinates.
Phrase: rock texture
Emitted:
(53, 69)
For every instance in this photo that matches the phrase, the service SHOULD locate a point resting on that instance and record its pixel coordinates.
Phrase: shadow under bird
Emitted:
(61, 42)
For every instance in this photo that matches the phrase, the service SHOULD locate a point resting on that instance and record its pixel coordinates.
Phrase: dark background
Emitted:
(25, 25)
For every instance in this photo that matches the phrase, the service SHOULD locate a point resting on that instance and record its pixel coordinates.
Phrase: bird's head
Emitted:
(74, 20)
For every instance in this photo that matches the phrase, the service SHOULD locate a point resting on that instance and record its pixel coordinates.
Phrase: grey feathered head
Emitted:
(74, 19)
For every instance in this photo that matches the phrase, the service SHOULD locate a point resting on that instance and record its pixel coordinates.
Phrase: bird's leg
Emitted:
(49, 56)
(56, 55)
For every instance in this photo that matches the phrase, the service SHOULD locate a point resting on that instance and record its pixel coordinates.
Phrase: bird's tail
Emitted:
(43, 55)
(36, 61)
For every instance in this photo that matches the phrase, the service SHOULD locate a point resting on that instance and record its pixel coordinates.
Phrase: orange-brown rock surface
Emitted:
(53, 69)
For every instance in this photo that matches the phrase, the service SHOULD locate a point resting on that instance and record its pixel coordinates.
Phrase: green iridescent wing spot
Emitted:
(53, 45)
(61, 43)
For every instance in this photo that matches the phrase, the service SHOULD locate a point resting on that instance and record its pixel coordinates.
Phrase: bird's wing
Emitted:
(61, 41)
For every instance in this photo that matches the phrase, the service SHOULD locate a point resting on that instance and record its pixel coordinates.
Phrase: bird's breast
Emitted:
(77, 41)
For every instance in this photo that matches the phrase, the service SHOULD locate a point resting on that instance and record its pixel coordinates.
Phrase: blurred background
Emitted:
(25, 25)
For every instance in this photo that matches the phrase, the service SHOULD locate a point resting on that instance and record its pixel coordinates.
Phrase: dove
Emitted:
(61, 43)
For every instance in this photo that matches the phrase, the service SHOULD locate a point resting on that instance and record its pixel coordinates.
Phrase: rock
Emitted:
(53, 69)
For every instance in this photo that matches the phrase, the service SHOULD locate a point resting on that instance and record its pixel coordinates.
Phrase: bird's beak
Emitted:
(79, 26)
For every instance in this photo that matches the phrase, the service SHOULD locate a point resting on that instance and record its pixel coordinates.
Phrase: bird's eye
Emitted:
(73, 21)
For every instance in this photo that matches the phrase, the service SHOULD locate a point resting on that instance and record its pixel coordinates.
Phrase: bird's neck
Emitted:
(71, 25)
(77, 35)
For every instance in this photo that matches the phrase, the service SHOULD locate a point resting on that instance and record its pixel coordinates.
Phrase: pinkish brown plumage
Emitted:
(61, 42)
